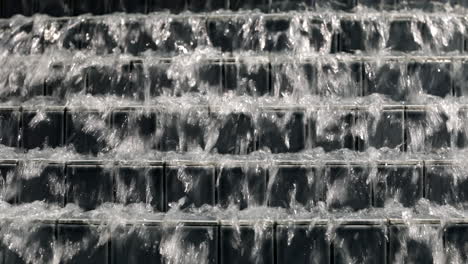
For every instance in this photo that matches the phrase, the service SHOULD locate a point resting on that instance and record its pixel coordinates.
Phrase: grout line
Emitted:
(332, 252)
(275, 243)
(164, 194)
(387, 245)
(424, 179)
(218, 244)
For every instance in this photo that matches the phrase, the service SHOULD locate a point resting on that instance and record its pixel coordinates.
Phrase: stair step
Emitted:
(170, 35)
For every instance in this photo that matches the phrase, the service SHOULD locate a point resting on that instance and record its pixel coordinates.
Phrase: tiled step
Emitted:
(378, 241)
(162, 185)
(138, 79)
(75, 7)
(415, 129)
(303, 32)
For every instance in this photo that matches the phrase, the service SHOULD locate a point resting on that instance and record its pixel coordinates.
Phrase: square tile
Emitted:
(41, 181)
(242, 185)
(89, 186)
(43, 128)
(190, 186)
(247, 244)
(361, 244)
(302, 244)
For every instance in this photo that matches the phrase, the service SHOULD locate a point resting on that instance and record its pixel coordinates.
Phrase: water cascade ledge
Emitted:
(233, 131)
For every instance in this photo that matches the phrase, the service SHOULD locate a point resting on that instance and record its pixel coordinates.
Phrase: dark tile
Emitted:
(208, 76)
(236, 5)
(461, 133)
(236, 33)
(243, 186)
(136, 244)
(87, 131)
(175, 6)
(182, 132)
(426, 5)
(331, 129)
(11, 8)
(294, 78)
(224, 33)
(375, 4)
(168, 125)
(194, 127)
(445, 184)
(460, 77)
(388, 5)
(291, 5)
(382, 129)
(277, 34)
(129, 80)
(426, 130)
(101, 78)
(43, 128)
(433, 78)
(140, 184)
(69, 32)
(294, 185)
(339, 78)
(361, 244)
(190, 186)
(129, 6)
(37, 242)
(247, 244)
(88, 186)
(302, 244)
(236, 133)
(80, 7)
(158, 80)
(451, 31)
(137, 37)
(400, 183)
(83, 243)
(10, 127)
(197, 244)
(108, 32)
(8, 186)
(247, 77)
(456, 243)
(415, 244)
(463, 3)
(183, 35)
(386, 78)
(56, 8)
(348, 186)
(206, 5)
(204, 76)
(41, 181)
(401, 36)
(282, 132)
(342, 5)
(321, 33)
(352, 37)
(56, 83)
(139, 123)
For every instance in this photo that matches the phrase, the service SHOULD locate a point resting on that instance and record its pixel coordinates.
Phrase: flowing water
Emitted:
(235, 137)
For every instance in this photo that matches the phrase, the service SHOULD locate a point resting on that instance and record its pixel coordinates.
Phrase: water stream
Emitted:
(232, 137)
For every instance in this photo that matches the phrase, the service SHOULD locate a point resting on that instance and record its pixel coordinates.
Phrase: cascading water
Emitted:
(233, 131)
